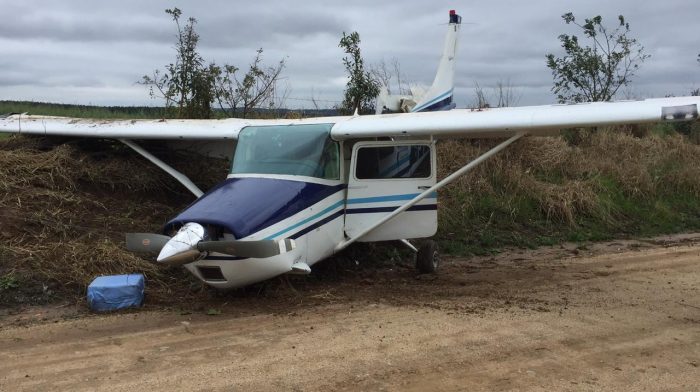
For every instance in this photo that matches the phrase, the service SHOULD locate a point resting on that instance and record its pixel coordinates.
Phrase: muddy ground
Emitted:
(620, 315)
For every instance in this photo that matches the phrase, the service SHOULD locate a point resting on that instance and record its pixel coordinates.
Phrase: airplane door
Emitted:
(383, 176)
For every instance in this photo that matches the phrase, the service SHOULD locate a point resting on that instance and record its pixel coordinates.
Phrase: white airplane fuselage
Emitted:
(311, 192)
(316, 229)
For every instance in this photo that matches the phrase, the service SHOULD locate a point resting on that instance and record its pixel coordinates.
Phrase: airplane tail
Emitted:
(439, 95)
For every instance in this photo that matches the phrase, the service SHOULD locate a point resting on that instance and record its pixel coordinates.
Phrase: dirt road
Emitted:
(614, 316)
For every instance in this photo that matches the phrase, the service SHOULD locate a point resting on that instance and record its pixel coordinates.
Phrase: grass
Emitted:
(66, 208)
(8, 282)
(82, 111)
(545, 191)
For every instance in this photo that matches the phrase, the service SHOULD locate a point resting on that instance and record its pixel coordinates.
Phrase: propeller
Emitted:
(191, 243)
(145, 242)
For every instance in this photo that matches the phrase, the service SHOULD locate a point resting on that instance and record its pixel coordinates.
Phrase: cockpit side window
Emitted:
(330, 161)
(403, 161)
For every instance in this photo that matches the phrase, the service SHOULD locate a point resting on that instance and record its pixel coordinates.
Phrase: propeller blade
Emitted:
(254, 249)
(181, 258)
(145, 242)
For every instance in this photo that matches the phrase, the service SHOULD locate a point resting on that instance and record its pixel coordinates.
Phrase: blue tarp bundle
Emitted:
(116, 292)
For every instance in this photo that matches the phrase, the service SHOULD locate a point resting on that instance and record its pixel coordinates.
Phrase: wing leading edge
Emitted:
(458, 123)
(137, 129)
(505, 122)
(121, 129)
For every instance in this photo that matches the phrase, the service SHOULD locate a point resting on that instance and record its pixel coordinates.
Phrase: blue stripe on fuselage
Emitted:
(307, 220)
(320, 223)
(340, 203)
(436, 103)
(372, 210)
(245, 206)
(379, 199)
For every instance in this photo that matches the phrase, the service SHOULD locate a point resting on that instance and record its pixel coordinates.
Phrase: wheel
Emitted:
(428, 258)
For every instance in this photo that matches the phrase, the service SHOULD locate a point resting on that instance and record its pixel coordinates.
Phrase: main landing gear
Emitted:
(428, 258)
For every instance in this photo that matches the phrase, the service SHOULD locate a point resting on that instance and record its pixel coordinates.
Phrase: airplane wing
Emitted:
(505, 122)
(458, 123)
(194, 130)
(122, 129)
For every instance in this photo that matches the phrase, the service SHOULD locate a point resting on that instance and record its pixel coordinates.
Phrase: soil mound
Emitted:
(65, 208)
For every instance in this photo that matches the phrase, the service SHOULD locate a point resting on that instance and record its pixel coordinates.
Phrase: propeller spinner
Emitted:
(191, 243)
(182, 248)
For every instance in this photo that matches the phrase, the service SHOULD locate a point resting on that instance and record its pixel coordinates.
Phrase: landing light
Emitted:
(679, 113)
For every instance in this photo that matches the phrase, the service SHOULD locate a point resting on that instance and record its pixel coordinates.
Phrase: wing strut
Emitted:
(469, 166)
(183, 179)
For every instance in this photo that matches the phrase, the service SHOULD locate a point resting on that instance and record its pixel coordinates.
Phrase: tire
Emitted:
(428, 258)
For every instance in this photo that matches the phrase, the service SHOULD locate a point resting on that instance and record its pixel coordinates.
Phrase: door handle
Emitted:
(423, 187)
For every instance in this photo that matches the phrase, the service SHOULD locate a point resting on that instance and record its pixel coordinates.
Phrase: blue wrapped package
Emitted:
(115, 292)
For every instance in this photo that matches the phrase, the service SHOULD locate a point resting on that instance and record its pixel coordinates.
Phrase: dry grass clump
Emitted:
(647, 166)
(66, 166)
(567, 182)
(538, 169)
(64, 211)
(75, 263)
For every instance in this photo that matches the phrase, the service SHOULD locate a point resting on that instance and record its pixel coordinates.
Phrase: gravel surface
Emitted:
(621, 315)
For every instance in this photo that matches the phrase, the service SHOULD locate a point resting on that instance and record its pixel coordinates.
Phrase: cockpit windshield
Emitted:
(298, 150)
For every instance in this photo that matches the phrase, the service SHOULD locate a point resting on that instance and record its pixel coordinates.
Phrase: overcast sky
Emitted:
(93, 52)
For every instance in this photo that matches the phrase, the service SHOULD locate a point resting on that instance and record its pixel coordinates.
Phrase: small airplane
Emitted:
(301, 190)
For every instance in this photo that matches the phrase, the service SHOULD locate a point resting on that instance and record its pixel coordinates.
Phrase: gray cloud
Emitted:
(276, 29)
(83, 51)
(81, 21)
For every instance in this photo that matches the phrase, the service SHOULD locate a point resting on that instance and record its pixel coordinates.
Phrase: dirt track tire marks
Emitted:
(619, 317)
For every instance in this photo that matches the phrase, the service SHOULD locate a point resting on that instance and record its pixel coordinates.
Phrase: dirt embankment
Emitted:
(614, 316)
(64, 209)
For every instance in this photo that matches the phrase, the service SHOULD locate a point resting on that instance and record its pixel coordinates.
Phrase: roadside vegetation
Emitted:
(65, 207)
(81, 111)
(544, 191)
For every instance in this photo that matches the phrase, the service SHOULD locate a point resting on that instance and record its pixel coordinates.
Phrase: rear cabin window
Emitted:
(393, 162)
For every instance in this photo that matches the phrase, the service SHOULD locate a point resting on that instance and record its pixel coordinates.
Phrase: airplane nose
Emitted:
(182, 247)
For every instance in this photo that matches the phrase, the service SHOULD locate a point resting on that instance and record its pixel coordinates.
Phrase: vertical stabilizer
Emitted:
(439, 95)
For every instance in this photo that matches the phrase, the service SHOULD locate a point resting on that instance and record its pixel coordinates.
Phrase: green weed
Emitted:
(8, 282)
